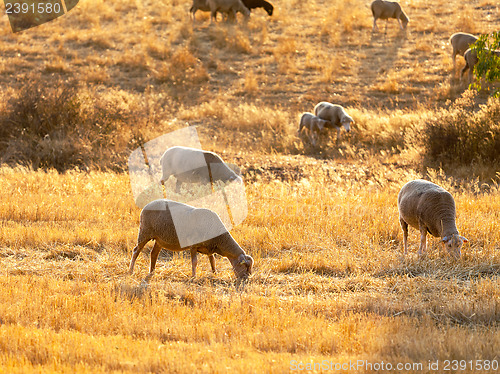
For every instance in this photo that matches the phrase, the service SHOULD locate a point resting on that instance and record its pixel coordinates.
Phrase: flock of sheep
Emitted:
(177, 226)
(421, 204)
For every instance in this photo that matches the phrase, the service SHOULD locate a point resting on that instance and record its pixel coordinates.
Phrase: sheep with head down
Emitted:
(310, 127)
(177, 227)
(335, 115)
(231, 7)
(388, 9)
(461, 42)
(471, 59)
(430, 209)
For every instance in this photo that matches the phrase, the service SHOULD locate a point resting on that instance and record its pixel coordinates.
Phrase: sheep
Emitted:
(460, 42)
(177, 227)
(252, 4)
(191, 165)
(431, 209)
(471, 60)
(335, 115)
(227, 6)
(311, 126)
(388, 9)
(199, 5)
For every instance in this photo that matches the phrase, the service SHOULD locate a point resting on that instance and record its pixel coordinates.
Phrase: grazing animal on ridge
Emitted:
(335, 115)
(310, 127)
(471, 60)
(227, 6)
(388, 9)
(177, 227)
(461, 42)
(430, 209)
(200, 5)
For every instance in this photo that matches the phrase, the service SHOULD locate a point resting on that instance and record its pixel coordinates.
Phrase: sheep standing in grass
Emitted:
(388, 9)
(252, 4)
(177, 227)
(227, 6)
(335, 115)
(310, 127)
(191, 165)
(471, 60)
(431, 209)
(199, 5)
(461, 42)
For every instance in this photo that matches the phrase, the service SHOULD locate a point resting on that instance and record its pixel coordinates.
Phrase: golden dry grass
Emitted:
(330, 282)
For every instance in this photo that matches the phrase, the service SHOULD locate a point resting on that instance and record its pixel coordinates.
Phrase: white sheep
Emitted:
(471, 60)
(177, 227)
(199, 5)
(388, 9)
(431, 209)
(227, 6)
(461, 42)
(191, 165)
(310, 127)
(336, 116)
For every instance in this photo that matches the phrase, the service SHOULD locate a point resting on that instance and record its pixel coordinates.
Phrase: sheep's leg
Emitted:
(154, 257)
(211, 258)
(338, 135)
(423, 241)
(194, 260)
(135, 254)
(404, 226)
(454, 57)
(375, 28)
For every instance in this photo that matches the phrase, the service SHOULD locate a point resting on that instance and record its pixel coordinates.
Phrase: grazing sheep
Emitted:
(191, 165)
(199, 5)
(310, 126)
(460, 43)
(336, 116)
(471, 60)
(388, 9)
(431, 209)
(252, 4)
(177, 227)
(227, 6)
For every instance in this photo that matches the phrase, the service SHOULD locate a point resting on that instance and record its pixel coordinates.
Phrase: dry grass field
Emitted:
(330, 284)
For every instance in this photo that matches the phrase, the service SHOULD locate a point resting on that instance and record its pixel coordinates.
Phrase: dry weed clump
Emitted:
(67, 126)
(463, 135)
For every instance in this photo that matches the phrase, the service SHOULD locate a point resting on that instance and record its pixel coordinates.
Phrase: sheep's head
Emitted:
(269, 9)
(453, 244)
(242, 266)
(404, 20)
(347, 124)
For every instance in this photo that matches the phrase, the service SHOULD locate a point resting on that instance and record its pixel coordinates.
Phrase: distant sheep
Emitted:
(252, 4)
(388, 9)
(177, 227)
(471, 60)
(227, 6)
(199, 5)
(310, 127)
(191, 165)
(461, 42)
(335, 114)
(431, 209)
